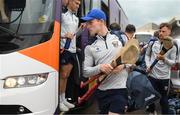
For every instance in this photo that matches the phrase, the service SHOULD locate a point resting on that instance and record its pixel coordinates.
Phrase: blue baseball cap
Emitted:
(95, 14)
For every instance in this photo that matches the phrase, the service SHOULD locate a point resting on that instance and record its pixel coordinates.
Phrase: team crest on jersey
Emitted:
(115, 43)
(98, 49)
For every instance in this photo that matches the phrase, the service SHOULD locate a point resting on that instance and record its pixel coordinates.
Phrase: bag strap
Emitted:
(151, 45)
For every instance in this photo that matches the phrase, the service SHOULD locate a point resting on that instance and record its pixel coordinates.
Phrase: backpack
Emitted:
(119, 35)
(140, 90)
(151, 43)
(141, 60)
(174, 106)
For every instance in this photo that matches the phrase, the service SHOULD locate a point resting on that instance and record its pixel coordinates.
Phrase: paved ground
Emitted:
(93, 109)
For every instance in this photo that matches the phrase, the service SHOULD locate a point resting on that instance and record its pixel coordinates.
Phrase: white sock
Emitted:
(63, 97)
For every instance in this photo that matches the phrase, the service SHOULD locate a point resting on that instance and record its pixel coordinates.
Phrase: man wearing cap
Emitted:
(112, 93)
(160, 73)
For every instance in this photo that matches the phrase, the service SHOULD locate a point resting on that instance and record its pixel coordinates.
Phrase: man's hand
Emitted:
(148, 70)
(118, 69)
(83, 25)
(160, 57)
(106, 68)
(68, 36)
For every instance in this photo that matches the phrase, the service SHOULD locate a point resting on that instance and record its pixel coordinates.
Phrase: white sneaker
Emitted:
(67, 104)
(154, 113)
(63, 107)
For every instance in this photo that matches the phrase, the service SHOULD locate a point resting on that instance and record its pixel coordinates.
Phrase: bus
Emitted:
(143, 37)
(29, 56)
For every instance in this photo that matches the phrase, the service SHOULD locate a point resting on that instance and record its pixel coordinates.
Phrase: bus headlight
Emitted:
(11, 82)
(21, 80)
(25, 80)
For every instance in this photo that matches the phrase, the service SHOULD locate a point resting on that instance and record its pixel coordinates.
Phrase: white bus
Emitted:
(29, 56)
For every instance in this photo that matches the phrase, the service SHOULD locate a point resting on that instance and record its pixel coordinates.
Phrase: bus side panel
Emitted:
(117, 14)
(48, 52)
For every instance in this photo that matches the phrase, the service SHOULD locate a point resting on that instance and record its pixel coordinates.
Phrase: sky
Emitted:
(140, 12)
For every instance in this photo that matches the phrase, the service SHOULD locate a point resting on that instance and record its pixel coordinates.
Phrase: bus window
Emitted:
(31, 19)
(143, 37)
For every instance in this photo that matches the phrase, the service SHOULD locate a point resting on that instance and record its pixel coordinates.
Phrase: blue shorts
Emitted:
(114, 100)
(67, 58)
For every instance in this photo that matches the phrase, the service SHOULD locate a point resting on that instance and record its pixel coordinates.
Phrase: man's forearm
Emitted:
(91, 71)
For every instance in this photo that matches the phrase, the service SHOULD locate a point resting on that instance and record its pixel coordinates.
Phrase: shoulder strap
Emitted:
(177, 50)
(121, 39)
(151, 45)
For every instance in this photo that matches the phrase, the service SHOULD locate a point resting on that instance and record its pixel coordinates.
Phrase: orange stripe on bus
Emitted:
(47, 52)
